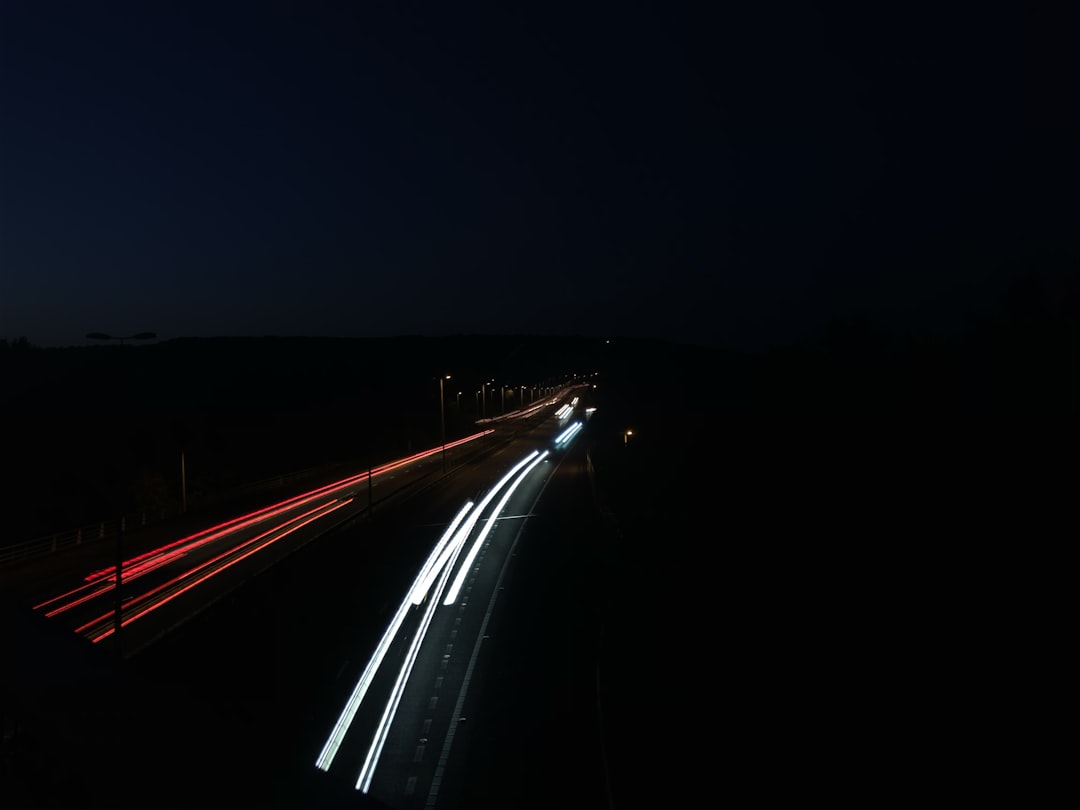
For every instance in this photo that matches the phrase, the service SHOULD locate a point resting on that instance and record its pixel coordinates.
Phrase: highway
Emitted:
(397, 726)
(384, 625)
(164, 586)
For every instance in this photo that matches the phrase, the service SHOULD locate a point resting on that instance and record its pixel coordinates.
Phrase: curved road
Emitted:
(290, 654)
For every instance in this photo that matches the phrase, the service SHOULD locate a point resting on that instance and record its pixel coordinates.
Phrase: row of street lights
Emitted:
(481, 403)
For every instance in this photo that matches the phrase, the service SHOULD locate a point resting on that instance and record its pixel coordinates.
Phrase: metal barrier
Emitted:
(58, 542)
(62, 541)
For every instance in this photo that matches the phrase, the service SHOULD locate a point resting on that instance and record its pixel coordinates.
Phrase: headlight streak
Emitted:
(382, 731)
(565, 437)
(367, 772)
(450, 552)
(151, 601)
(438, 566)
(463, 569)
(352, 705)
(435, 560)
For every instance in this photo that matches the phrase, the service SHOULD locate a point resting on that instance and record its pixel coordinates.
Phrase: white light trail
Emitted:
(367, 772)
(337, 734)
(452, 594)
(437, 567)
(439, 555)
(567, 434)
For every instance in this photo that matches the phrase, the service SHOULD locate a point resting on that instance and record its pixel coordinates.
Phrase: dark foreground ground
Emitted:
(836, 605)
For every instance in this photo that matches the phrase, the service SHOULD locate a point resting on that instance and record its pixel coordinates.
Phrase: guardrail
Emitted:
(103, 530)
(62, 541)
(66, 540)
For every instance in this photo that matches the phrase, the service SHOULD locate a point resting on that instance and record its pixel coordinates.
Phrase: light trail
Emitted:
(367, 772)
(435, 571)
(463, 569)
(450, 552)
(565, 437)
(243, 521)
(103, 626)
(103, 580)
(352, 705)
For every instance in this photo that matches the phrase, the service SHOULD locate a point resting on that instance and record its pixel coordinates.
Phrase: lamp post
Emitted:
(118, 608)
(442, 419)
(626, 437)
(180, 434)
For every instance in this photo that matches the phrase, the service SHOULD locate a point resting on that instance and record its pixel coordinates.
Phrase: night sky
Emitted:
(730, 177)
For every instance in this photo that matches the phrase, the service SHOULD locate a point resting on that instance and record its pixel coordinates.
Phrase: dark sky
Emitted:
(366, 169)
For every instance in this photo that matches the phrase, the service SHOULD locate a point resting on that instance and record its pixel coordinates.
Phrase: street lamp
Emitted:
(626, 437)
(442, 419)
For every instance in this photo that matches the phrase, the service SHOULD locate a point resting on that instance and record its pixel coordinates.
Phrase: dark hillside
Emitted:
(88, 428)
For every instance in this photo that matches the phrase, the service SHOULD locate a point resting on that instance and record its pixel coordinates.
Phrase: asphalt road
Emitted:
(167, 583)
(262, 673)
(771, 607)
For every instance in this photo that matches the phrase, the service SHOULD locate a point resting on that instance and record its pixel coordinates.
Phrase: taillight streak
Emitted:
(103, 579)
(219, 564)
